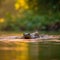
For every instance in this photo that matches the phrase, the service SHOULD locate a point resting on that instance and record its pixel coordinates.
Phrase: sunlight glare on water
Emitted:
(24, 51)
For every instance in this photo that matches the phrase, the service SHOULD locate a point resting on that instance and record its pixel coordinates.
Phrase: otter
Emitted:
(31, 35)
(27, 36)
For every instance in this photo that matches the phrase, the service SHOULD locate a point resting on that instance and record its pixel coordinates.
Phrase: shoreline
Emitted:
(29, 40)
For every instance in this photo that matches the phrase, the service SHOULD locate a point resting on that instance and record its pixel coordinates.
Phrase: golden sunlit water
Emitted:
(22, 50)
(16, 50)
(19, 52)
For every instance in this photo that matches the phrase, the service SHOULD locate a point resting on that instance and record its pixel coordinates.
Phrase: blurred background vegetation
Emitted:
(29, 15)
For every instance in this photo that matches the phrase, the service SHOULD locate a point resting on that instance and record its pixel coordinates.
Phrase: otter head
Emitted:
(27, 36)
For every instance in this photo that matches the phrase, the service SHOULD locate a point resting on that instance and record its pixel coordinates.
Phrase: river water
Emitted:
(16, 50)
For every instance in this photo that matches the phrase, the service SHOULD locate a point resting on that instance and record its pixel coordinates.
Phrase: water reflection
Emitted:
(24, 51)
(29, 50)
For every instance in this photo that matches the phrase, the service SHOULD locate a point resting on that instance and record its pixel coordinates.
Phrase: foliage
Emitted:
(31, 15)
(31, 22)
(44, 6)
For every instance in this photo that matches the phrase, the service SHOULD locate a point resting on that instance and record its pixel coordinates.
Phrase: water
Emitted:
(49, 51)
(15, 50)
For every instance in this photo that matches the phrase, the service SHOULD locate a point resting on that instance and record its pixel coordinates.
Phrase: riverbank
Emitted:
(20, 32)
